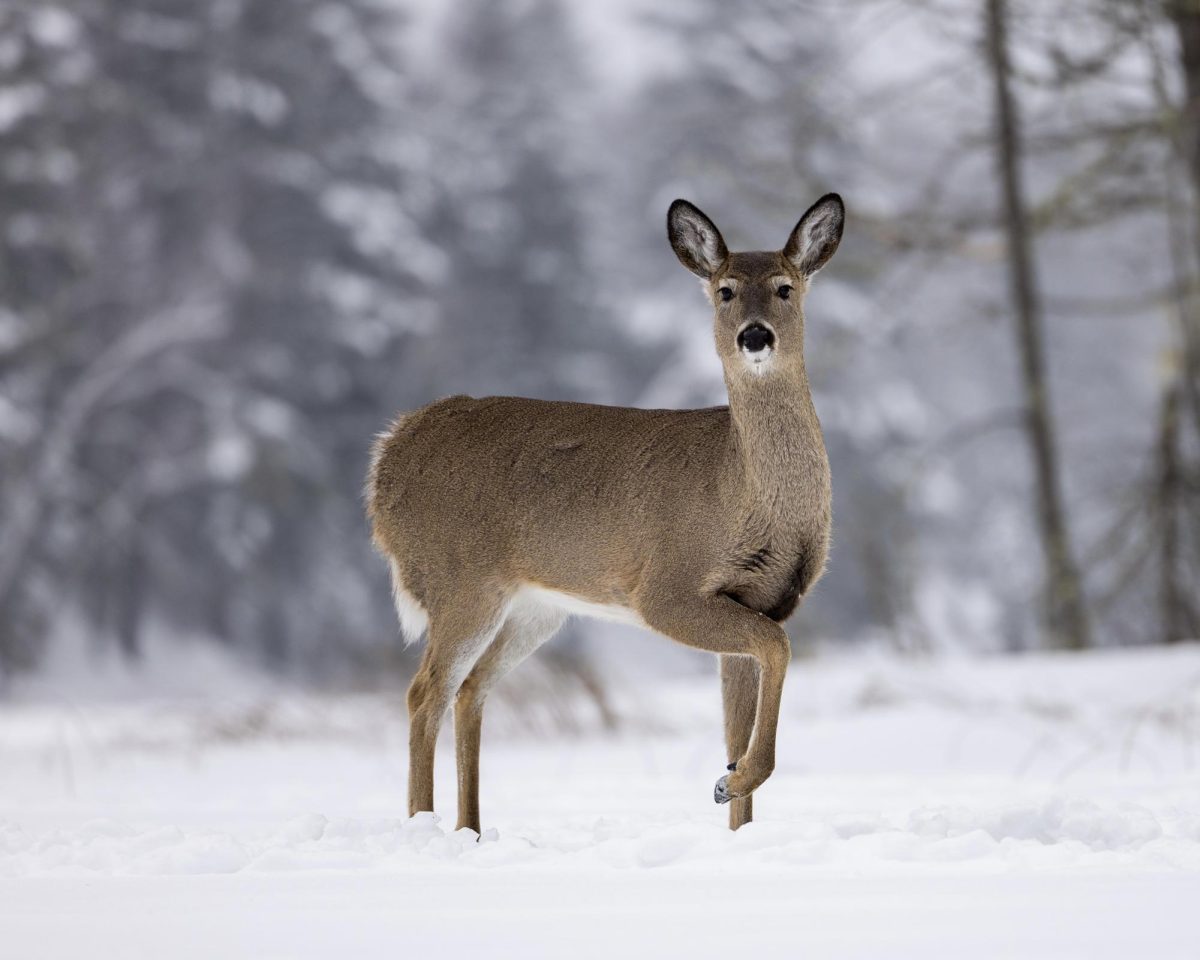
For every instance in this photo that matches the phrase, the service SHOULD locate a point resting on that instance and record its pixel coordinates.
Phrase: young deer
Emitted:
(502, 516)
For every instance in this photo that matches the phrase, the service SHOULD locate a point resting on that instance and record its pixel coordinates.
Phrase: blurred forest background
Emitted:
(237, 236)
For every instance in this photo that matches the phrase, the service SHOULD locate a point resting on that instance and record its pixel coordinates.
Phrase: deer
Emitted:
(500, 517)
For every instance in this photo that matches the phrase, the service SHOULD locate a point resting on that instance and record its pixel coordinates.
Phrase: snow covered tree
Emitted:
(214, 250)
(521, 309)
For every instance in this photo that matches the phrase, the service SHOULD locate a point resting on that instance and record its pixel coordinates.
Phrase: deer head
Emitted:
(757, 297)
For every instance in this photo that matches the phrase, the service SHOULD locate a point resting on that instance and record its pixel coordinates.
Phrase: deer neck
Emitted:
(777, 453)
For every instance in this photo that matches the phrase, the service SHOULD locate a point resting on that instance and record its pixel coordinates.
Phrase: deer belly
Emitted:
(574, 605)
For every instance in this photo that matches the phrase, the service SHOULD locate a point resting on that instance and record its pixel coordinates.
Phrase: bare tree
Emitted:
(1180, 404)
(1064, 612)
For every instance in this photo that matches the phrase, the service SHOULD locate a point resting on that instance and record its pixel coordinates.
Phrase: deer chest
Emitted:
(773, 578)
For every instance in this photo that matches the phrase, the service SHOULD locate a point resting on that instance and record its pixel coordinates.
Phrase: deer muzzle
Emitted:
(756, 340)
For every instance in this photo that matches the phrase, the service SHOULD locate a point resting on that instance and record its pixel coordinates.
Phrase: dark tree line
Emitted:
(235, 237)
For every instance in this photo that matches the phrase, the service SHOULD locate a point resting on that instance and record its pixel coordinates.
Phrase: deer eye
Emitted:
(784, 291)
(726, 293)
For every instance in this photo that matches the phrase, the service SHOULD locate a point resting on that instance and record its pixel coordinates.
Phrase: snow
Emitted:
(1037, 806)
(18, 101)
(54, 27)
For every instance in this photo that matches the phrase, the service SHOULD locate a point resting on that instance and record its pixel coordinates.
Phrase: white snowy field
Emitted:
(1036, 807)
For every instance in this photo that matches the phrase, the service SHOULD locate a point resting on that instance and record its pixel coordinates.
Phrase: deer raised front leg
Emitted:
(721, 625)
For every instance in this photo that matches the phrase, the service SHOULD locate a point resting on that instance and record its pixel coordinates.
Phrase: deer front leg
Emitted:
(721, 625)
(739, 693)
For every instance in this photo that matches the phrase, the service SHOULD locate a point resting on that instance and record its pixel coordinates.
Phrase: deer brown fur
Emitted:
(501, 516)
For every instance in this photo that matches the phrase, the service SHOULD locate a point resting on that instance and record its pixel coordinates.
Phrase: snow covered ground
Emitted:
(1042, 806)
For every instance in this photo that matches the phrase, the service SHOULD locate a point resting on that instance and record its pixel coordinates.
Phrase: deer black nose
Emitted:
(755, 338)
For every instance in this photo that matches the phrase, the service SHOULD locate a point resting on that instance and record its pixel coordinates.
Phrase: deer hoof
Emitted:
(721, 792)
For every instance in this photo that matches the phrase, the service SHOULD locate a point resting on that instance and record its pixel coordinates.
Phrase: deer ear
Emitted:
(817, 235)
(695, 239)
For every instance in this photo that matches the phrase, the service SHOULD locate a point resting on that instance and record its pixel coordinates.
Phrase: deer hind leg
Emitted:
(526, 628)
(739, 690)
(457, 637)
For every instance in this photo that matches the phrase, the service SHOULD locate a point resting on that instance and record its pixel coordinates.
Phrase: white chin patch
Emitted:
(759, 360)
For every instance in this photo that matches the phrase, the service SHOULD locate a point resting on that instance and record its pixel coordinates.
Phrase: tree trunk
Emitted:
(1175, 608)
(1064, 616)
(1186, 16)
(1181, 396)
